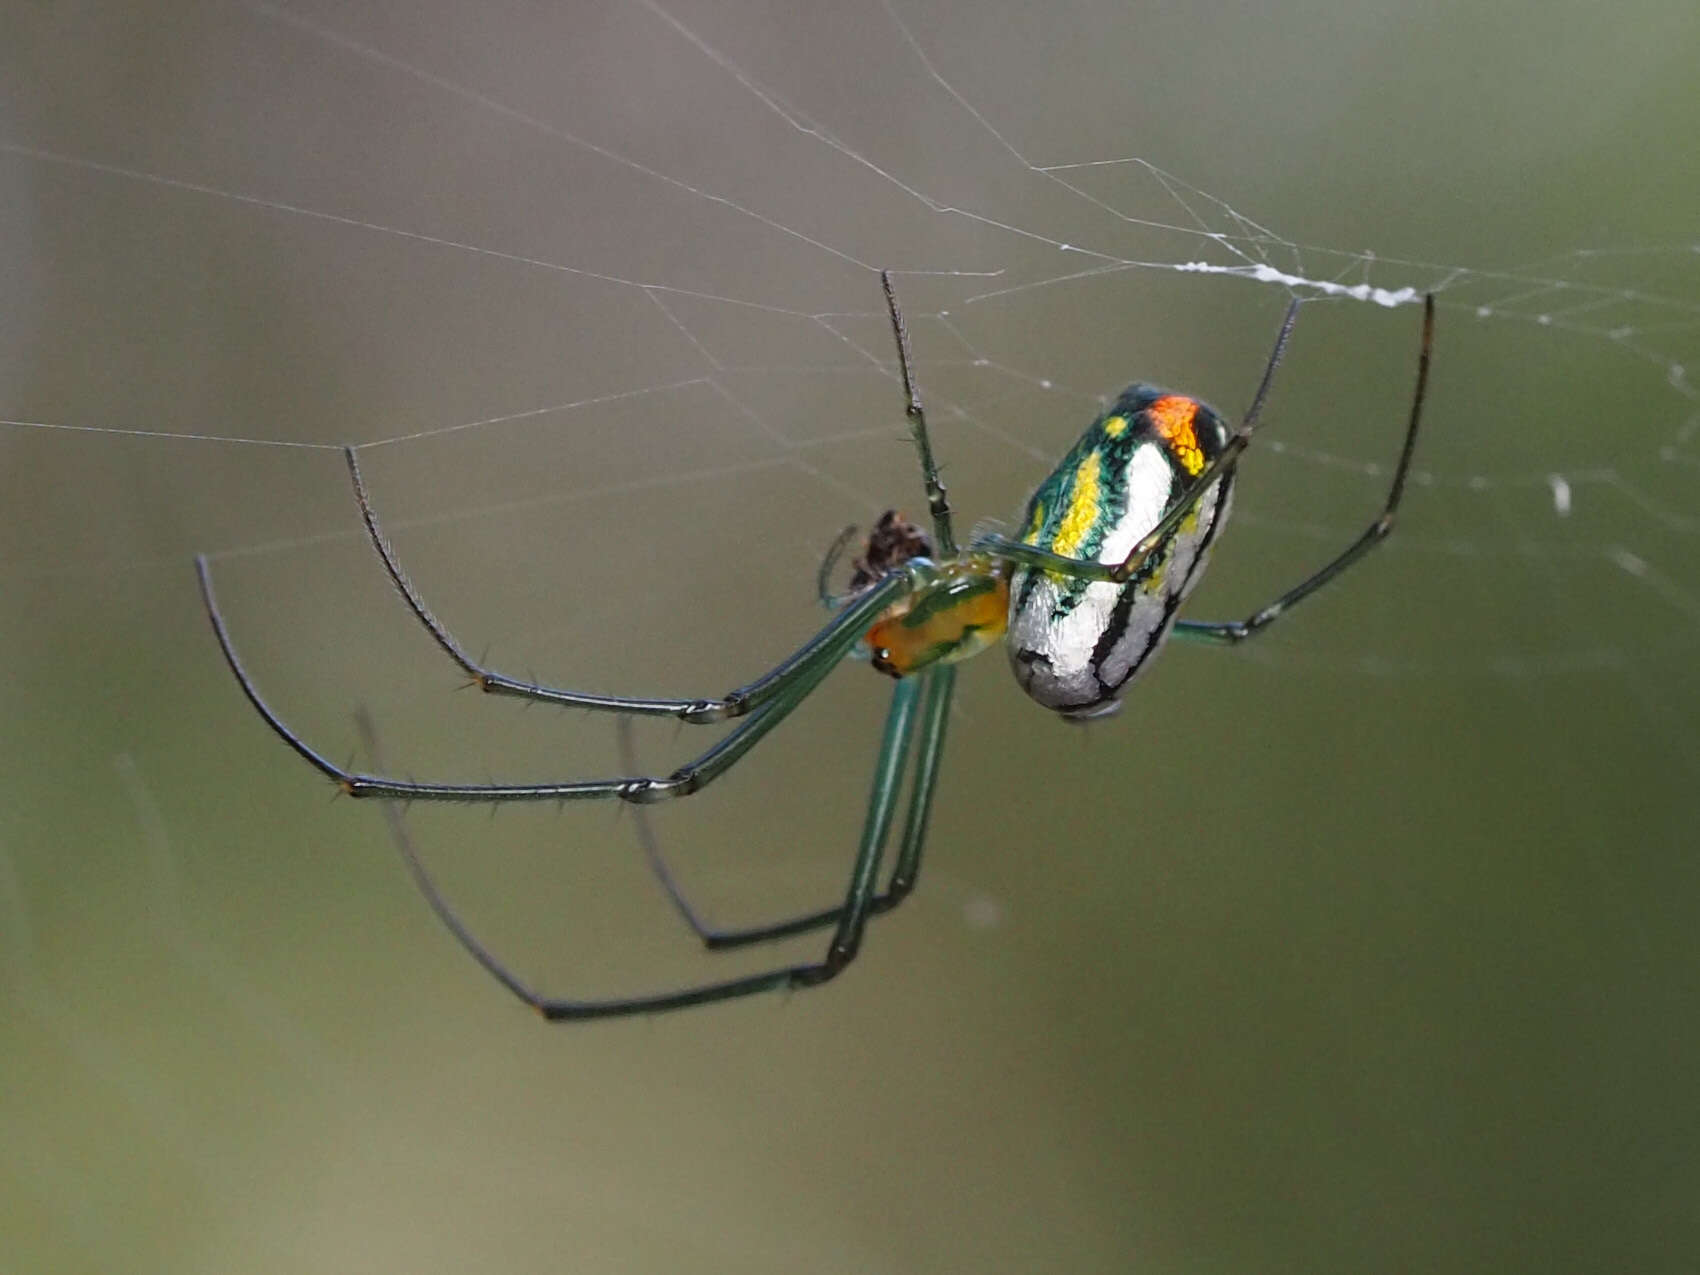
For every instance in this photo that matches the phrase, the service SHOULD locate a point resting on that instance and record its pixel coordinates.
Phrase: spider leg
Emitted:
(828, 564)
(935, 691)
(1233, 631)
(937, 503)
(828, 648)
(846, 939)
(857, 614)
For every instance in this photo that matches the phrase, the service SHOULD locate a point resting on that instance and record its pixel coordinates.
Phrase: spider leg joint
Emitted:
(708, 710)
(646, 792)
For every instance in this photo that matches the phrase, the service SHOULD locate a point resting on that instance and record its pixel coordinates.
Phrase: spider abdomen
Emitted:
(1075, 645)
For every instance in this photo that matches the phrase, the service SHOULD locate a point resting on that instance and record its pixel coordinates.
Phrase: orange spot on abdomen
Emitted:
(1172, 417)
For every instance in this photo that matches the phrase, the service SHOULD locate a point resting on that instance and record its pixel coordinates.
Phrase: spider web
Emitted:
(595, 292)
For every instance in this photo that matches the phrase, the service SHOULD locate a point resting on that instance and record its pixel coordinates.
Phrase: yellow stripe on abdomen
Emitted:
(1085, 501)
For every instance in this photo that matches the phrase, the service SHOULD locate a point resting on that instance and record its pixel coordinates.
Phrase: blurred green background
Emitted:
(1368, 947)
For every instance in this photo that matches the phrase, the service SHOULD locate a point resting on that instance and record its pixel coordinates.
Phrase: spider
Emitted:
(1109, 547)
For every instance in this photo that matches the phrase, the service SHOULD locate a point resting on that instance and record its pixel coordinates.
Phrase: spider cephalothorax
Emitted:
(958, 609)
